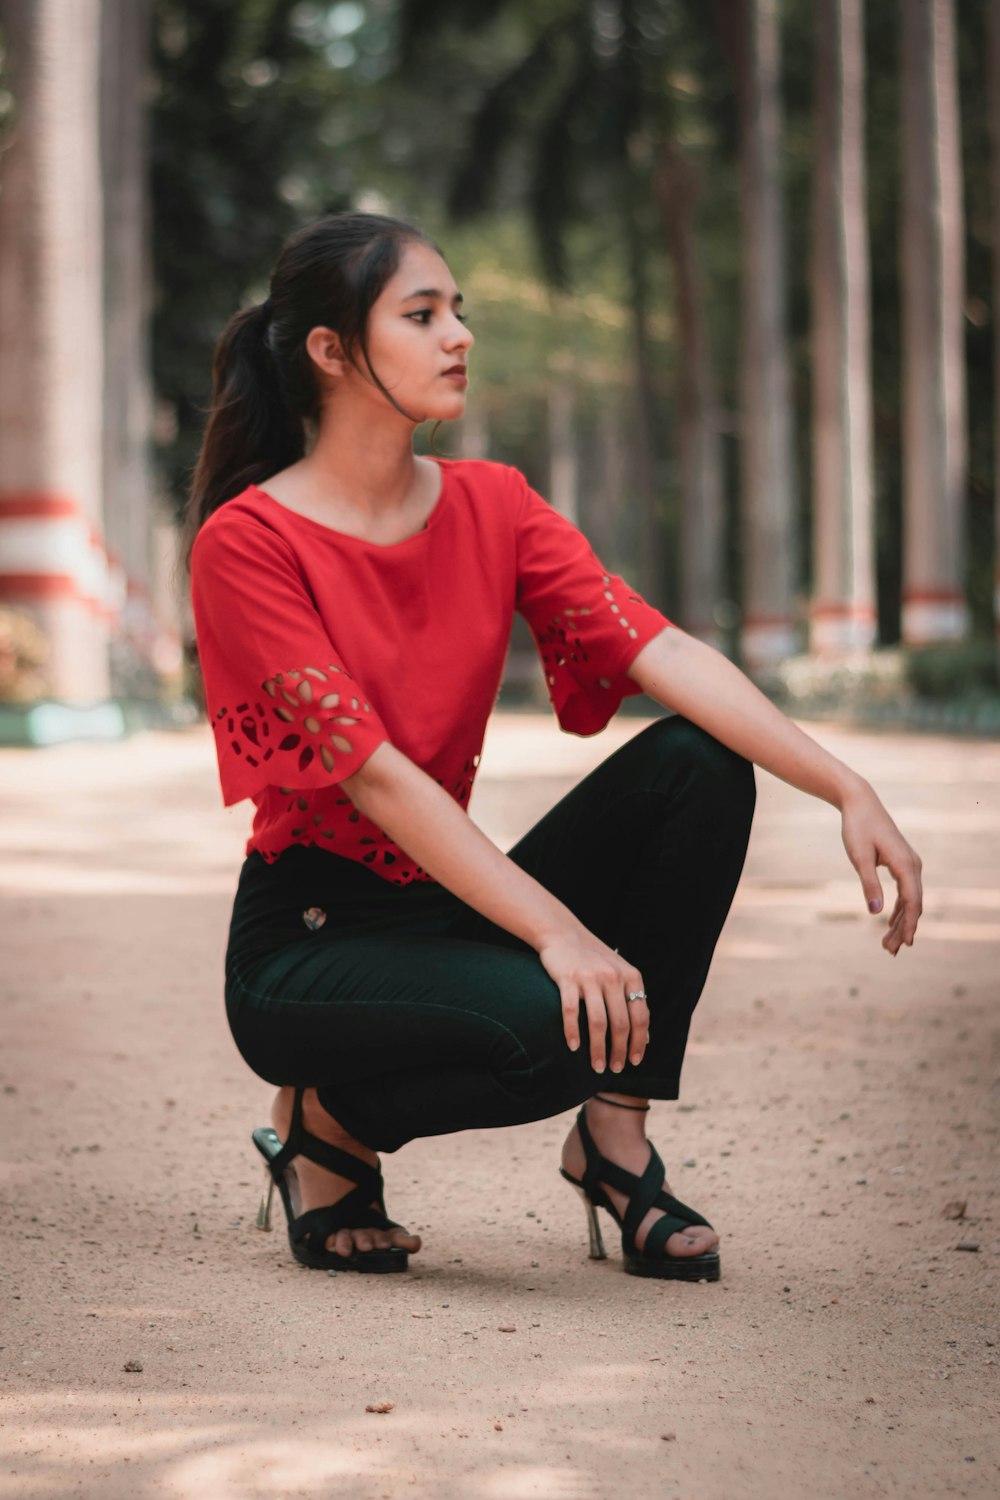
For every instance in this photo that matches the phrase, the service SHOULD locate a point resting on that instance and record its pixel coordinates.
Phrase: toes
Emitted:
(694, 1241)
(346, 1241)
(681, 1244)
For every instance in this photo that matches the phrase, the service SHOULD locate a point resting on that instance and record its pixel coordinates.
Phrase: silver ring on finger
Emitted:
(635, 995)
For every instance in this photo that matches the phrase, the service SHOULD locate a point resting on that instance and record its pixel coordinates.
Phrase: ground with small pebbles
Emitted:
(839, 1107)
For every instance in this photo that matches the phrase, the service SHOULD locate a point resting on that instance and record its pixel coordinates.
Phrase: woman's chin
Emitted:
(447, 408)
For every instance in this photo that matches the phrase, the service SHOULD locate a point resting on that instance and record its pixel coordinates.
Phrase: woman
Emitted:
(388, 968)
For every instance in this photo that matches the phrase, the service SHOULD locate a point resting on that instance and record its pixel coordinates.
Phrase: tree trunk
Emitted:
(934, 418)
(993, 93)
(843, 609)
(563, 467)
(128, 481)
(53, 564)
(770, 632)
(699, 446)
(649, 573)
(613, 480)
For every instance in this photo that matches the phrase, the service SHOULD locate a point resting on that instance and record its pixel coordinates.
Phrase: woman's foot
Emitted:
(620, 1135)
(318, 1187)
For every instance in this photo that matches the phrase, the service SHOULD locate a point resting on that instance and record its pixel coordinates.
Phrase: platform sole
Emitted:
(675, 1267)
(370, 1262)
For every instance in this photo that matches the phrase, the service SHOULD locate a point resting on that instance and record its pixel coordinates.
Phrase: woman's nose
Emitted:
(462, 335)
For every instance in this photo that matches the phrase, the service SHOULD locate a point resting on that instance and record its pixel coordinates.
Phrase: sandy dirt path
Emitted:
(835, 1101)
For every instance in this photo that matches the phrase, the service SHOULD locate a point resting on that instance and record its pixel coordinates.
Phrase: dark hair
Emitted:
(328, 275)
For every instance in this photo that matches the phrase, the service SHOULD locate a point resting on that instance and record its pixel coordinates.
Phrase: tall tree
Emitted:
(125, 46)
(843, 610)
(994, 98)
(933, 287)
(698, 439)
(767, 478)
(52, 561)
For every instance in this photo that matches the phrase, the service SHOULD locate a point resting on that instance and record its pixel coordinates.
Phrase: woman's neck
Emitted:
(364, 463)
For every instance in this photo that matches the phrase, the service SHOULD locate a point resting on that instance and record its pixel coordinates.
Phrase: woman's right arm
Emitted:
(439, 835)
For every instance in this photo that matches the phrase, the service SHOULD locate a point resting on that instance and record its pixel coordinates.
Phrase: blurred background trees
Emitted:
(729, 264)
(728, 181)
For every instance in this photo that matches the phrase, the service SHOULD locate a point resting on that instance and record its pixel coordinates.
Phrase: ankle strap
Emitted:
(618, 1104)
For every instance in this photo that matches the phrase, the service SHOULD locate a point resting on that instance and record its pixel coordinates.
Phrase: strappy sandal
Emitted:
(644, 1193)
(309, 1231)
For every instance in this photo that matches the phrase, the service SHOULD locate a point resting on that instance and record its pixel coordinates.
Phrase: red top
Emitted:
(316, 646)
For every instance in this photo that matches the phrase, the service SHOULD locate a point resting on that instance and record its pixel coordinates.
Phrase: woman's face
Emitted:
(418, 344)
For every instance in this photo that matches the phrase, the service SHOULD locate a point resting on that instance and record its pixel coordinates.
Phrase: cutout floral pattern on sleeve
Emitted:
(560, 639)
(308, 725)
(588, 624)
(315, 711)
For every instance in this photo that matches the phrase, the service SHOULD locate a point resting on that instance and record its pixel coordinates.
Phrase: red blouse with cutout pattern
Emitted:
(316, 646)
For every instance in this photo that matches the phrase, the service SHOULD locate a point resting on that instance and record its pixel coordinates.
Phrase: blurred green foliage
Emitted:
(521, 137)
(957, 669)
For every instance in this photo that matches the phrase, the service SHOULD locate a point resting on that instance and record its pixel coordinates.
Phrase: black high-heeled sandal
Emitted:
(308, 1232)
(644, 1193)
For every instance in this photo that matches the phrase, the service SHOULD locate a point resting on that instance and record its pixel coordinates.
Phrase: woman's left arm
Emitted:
(692, 678)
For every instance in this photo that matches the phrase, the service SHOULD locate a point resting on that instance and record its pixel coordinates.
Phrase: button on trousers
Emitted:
(413, 1015)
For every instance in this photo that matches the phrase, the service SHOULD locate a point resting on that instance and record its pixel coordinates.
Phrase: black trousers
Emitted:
(413, 1015)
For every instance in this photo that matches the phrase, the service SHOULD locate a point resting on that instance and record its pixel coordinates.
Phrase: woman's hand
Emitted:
(583, 966)
(871, 838)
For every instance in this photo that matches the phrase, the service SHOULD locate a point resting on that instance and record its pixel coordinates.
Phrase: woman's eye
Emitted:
(425, 313)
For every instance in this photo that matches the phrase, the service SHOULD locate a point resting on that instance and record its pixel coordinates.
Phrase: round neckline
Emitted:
(444, 464)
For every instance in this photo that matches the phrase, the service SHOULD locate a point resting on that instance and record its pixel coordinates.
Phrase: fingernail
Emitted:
(574, 1046)
(616, 1067)
(636, 1058)
(598, 1067)
(875, 904)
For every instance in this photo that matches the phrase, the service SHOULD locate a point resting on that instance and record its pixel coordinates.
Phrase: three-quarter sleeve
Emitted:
(588, 623)
(284, 708)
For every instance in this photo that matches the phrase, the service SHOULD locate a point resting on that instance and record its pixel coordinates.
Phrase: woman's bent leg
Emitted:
(408, 1035)
(647, 850)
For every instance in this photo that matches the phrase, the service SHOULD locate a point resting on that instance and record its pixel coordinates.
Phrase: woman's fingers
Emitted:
(866, 863)
(910, 903)
(569, 994)
(617, 1029)
(597, 1025)
(638, 1015)
(618, 1022)
(872, 839)
(627, 1020)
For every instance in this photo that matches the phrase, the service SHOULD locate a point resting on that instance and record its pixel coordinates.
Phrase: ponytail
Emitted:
(251, 432)
(264, 390)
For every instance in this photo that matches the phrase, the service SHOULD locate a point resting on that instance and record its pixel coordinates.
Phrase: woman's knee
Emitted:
(534, 1059)
(677, 746)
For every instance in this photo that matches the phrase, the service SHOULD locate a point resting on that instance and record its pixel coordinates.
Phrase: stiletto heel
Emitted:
(264, 1211)
(597, 1250)
(643, 1193)
(309, 1231)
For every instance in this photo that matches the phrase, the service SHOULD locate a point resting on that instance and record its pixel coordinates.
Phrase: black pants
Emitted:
(413, 1015)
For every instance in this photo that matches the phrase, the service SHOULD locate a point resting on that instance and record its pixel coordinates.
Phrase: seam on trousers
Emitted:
(430, 1004)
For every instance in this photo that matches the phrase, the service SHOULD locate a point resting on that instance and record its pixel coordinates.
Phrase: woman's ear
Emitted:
(327, 352)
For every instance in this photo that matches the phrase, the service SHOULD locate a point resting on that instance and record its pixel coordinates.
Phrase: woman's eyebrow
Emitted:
(432, 291)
